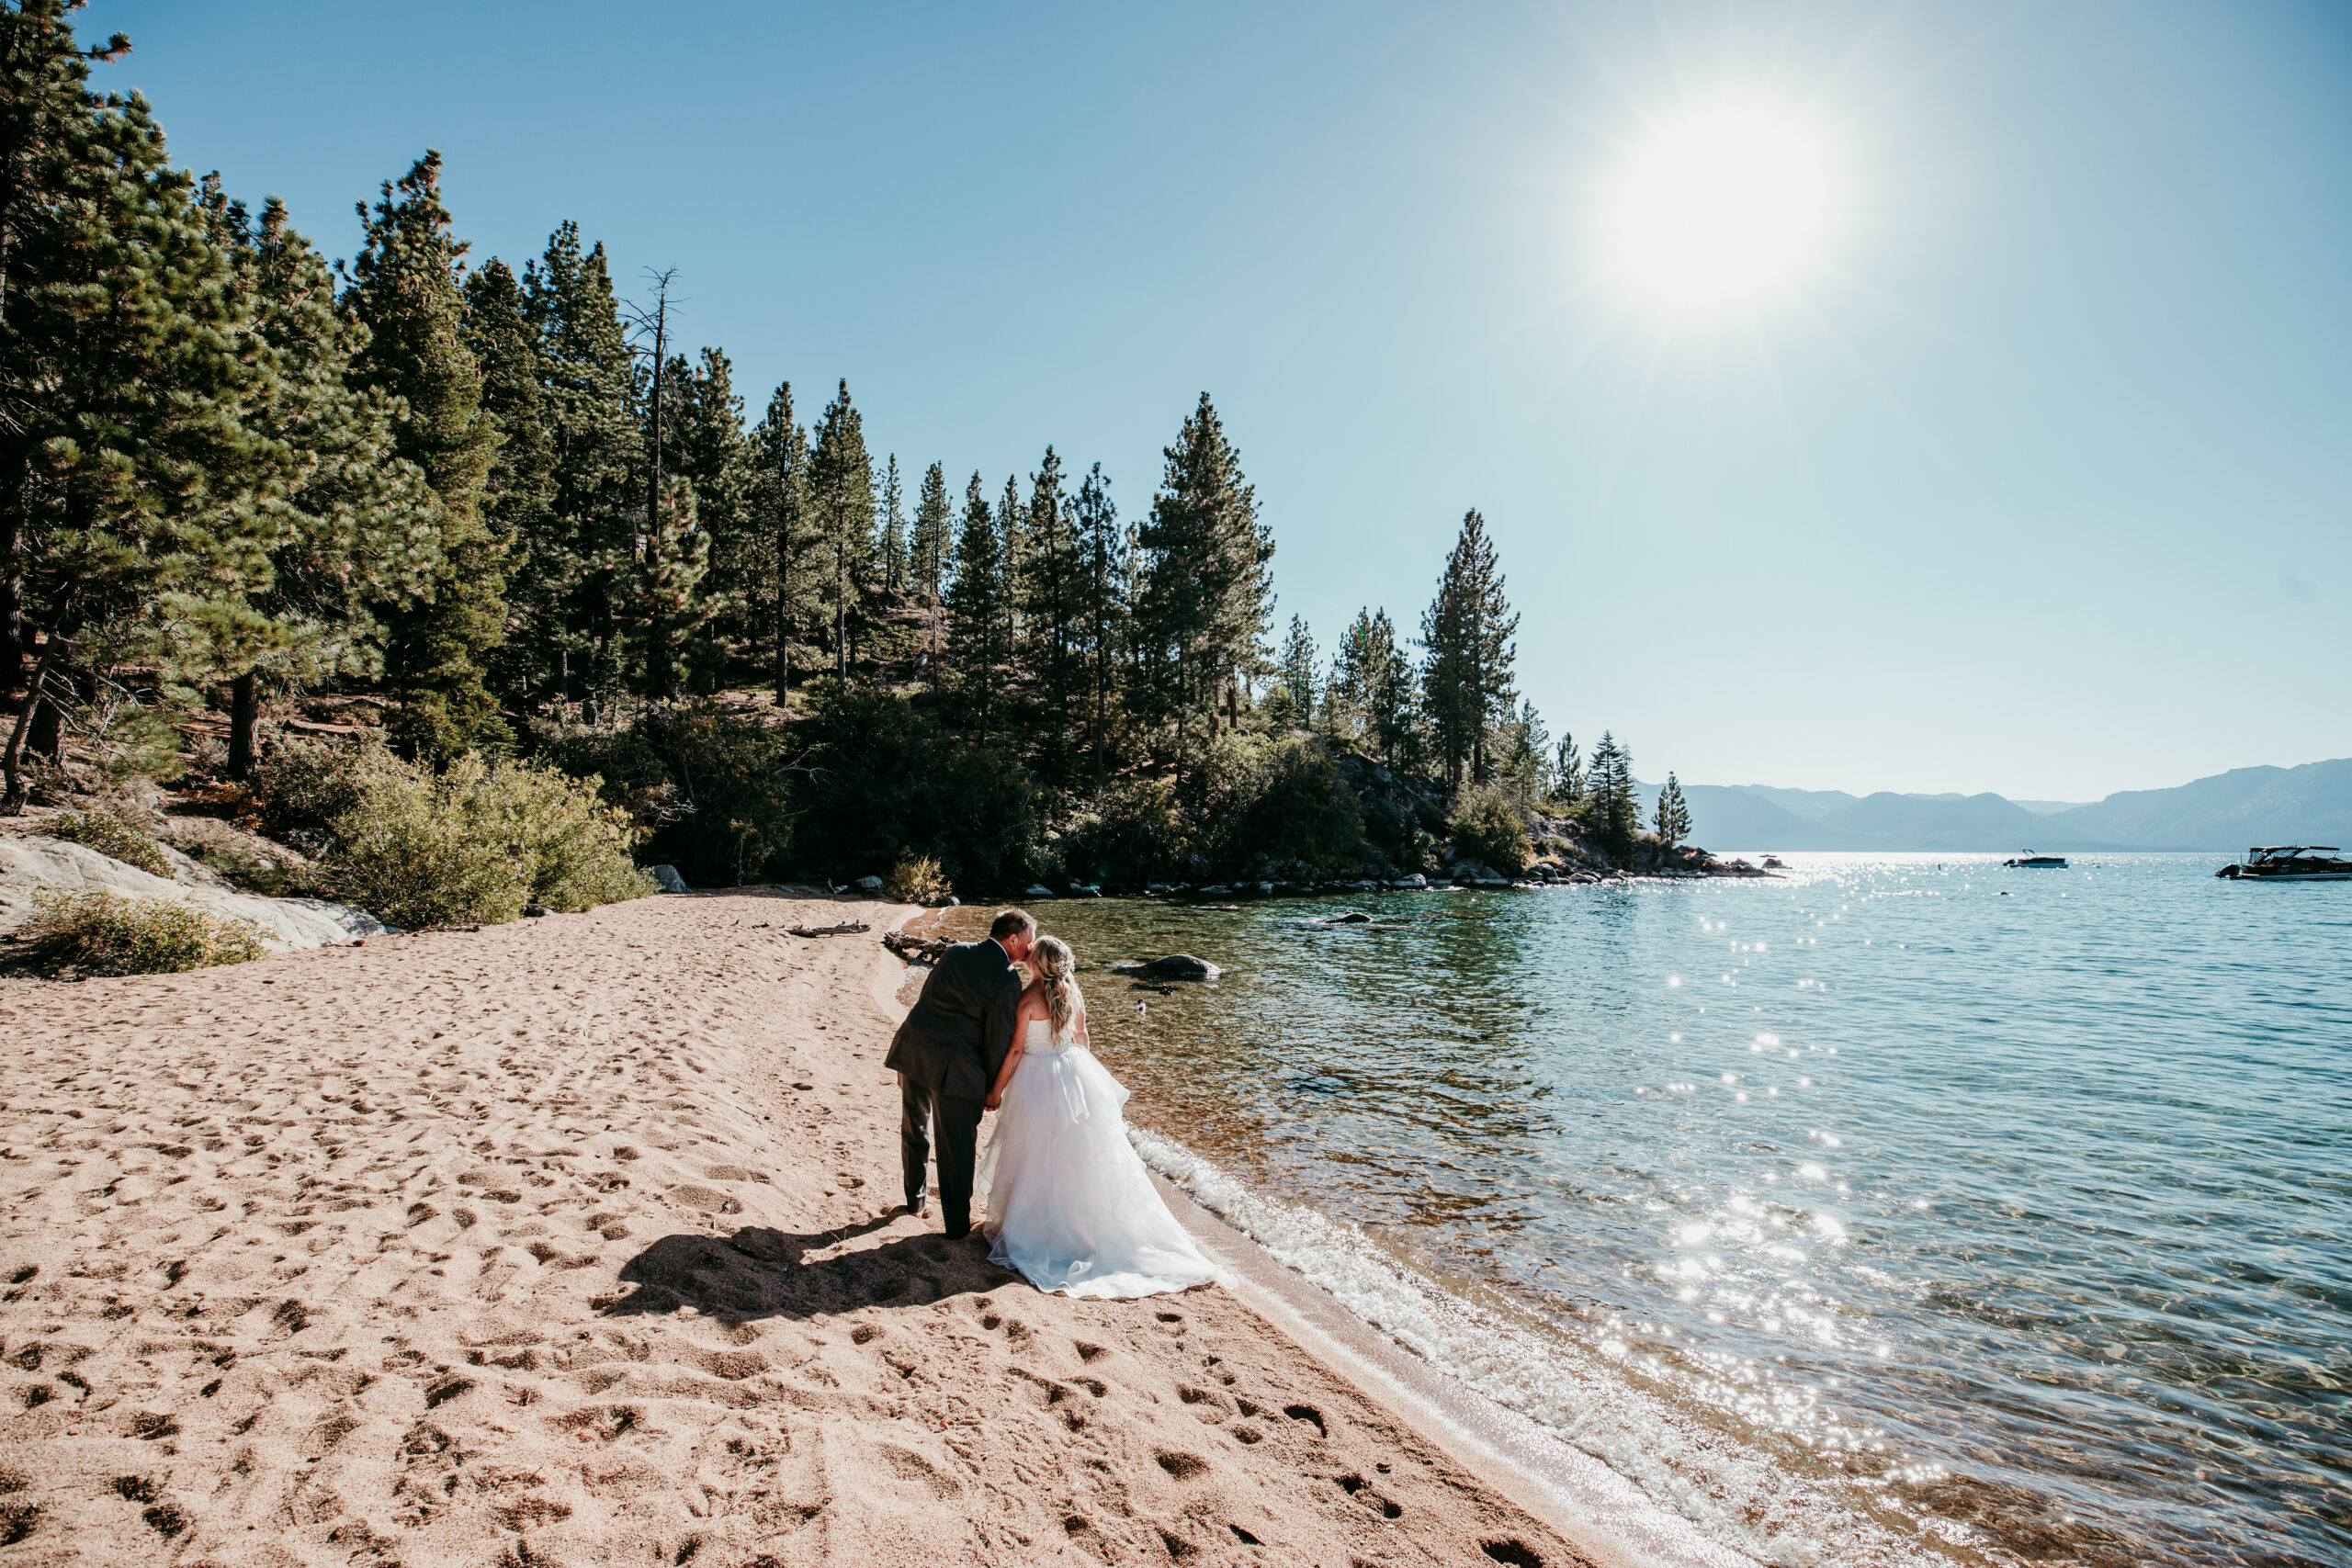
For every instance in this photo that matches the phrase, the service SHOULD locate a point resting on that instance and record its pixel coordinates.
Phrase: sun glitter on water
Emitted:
(1722, 206)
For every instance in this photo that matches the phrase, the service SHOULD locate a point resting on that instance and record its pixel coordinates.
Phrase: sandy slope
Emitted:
(563, 1243)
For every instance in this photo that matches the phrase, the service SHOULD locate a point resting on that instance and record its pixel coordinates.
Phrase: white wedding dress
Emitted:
(1069, 1204)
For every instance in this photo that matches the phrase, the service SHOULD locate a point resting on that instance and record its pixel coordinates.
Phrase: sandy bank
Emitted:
(563, 1242)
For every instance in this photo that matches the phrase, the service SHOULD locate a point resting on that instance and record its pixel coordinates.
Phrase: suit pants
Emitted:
(955, 1127)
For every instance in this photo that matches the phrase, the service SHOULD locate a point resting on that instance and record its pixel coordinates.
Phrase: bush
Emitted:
(1130, 834)
(303, 785)
(105, 933)
(916, 879)
(712, 787)
(111, 836)
(473, 845)
(1303, 810)
(1487, 828)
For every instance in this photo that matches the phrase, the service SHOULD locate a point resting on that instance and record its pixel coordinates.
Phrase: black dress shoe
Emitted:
(958, 1236)
(918, 1207)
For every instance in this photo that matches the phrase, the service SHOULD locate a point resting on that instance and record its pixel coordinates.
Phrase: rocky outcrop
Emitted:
(1175, 966)
(28, 863)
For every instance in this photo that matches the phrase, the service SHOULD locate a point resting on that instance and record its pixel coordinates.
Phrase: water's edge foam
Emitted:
(1734, 1494)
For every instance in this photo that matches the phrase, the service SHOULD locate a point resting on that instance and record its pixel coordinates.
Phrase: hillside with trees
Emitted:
(493, 509)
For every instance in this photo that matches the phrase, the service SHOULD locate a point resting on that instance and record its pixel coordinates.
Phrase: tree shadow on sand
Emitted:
(763, 1273)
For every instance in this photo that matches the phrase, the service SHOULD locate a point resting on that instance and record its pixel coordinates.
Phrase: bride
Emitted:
(1068, 1203)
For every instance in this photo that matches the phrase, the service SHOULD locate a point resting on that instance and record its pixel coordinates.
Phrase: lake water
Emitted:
(1900, 1207)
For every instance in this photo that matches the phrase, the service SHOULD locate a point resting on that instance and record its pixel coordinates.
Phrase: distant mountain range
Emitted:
(2310, 804)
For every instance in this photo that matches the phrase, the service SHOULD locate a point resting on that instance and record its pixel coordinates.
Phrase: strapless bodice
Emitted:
(1039, 1040)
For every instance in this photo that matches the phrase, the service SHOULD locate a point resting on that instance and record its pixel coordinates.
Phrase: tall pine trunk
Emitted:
(12, 759)
(783, 618)
(244, 719)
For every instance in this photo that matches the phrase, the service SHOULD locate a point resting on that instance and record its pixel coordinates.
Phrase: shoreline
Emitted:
(558, 1241)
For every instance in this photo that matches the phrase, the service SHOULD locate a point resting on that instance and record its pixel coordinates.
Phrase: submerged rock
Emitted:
(1176, 966)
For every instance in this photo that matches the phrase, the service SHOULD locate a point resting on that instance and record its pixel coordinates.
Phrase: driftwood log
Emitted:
(911, 948)
(847, 927)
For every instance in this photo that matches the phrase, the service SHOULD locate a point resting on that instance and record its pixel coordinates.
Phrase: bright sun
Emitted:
(1721, 206)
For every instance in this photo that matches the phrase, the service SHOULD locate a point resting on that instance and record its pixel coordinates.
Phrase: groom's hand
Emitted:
(995, 1099)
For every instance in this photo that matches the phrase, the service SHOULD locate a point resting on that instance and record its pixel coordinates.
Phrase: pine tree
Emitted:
(979, 638)
(1523, 766)
(1672, 821)
(1612, 812)
(711, 454)
(584, 370)
(929, 559)
(841, 503)
(406, 289)
(518, 494)
(130, 484)
(1206, 596)
(1468, 631)
(1103, 598)
(352, 528)
(1567, 774)
(1053, 594)
(893, 539)
(1297, 677)
(778, 499)
(1012, 529)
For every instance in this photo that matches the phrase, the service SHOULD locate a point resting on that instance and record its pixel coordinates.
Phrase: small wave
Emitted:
(1736, 1494)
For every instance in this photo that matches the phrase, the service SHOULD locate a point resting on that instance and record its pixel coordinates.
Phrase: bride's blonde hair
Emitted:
(1056, 965)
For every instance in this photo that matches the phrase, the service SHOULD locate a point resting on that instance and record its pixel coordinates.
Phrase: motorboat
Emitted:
(2291, 862)
(2028, 858)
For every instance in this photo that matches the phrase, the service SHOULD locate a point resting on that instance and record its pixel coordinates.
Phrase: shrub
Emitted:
(105, 933)
(303, 785)
(111, 836)
(1303, 809)
(1130, 833)
(1487, 828)
(473, 845)
(916, 879)
(712, 787)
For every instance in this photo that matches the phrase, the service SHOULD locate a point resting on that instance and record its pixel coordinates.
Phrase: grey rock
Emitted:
(1179, 967)
(1037, 890)
(1265, 890)
(1216, 890)
(667, 878)
(533, 911)
(868, 885)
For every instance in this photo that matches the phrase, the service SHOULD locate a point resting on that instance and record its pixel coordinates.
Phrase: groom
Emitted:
(947, 1055)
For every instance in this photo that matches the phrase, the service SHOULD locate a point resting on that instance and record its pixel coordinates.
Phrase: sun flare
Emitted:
(1722, 206)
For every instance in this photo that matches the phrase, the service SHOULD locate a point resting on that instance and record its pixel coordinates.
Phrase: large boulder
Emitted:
(667, 878)
(1175, 966)
(27, 863)
(1037, 890)
(869, 885)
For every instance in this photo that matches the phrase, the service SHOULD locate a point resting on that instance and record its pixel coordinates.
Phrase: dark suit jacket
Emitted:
(957, 1037)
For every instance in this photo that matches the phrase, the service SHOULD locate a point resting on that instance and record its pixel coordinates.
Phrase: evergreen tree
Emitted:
(1297, 682)
(841, 503)
(1612, 811)
(1672, 821)
(1524, 763)
(1391, 691)
(711, 454)
(1012, 529)
(778, 499)
(131, 485)
(406, 289)
(1206, 596)
(518, 494)
(352, 528)
(1468, 631)
(893, 543)
(577, 560)
(1567, 774)
(978, 627)
(1103, 556)
(1053, 594)
(929, 559)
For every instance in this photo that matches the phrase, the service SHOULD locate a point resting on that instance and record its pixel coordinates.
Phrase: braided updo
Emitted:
(1056, 966)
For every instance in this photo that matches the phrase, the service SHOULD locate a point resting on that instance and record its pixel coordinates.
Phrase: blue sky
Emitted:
(2035, 477)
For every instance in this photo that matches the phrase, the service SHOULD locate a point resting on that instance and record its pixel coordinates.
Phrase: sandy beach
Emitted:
(570, 1241)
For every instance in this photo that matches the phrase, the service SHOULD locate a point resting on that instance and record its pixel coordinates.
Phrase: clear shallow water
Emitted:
(1905, 1204)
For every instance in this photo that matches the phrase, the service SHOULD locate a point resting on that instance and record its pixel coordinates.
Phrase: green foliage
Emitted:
(1131, 832)
(111, 836)
(1468, 630)
(472, 845)
(916, 879)
(104, 933)
(711, 786)
(1487, 828)
(885, 778)
(303, 784)
(1299, 808)
(1672, 819)
(1611, 809)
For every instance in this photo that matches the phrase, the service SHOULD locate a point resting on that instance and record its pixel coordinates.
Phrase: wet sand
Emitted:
(568, 1242)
